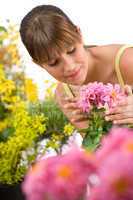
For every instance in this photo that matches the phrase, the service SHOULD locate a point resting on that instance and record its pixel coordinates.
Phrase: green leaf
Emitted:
(6, 133)
(2, 28)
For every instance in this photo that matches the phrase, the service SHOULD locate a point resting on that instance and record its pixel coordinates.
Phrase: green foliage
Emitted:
(2, 29)
(96, 129)
(55, 117)
(55, 123)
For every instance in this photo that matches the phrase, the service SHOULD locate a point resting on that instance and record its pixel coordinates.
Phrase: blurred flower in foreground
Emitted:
(115, 171)
(62, 177)
(80, 175)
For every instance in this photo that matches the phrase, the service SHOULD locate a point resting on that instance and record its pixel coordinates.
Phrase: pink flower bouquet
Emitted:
(96, 98)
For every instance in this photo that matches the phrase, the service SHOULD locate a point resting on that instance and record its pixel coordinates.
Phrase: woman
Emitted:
(56, 44)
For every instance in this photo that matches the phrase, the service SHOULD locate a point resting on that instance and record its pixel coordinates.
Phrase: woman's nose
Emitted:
(69, 64)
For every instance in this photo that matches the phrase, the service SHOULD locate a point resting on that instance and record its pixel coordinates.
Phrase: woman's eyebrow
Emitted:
(52, 60)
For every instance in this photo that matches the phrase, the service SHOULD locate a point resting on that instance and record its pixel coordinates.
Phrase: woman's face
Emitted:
(71, 67)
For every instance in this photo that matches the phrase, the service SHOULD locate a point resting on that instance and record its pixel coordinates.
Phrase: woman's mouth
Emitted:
(74, 74)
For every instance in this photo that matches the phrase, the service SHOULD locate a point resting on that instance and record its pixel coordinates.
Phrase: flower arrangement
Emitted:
(94, 99)
(84, 175)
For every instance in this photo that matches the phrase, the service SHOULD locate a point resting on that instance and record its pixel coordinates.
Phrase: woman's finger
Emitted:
(77, 118)
(68, 99)
(70, 106)
(124, 121)
(81, 124)
(120, 110)
(118, 116)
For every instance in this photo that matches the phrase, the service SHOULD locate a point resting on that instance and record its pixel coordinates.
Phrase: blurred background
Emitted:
(101, 22)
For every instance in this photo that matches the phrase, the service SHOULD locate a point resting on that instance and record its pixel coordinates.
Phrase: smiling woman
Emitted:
(56, 44)
(93, 31)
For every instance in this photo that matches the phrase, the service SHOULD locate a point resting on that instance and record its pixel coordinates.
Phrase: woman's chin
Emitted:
(76, 82)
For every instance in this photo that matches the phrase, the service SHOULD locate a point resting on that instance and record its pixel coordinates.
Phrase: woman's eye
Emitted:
(71, 51)
(54, 63)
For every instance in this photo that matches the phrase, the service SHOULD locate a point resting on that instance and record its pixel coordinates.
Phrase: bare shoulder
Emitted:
(106, 52)
(126, 65)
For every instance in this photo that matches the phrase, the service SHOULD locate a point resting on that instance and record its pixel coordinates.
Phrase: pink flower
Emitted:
(62, 177)
(115, 94)
(100, 95)
(107, 174)
(113, 142)
(116, 178)
(115, 166)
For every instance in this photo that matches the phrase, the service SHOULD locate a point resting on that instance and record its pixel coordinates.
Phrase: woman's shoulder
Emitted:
(125, 60)
(126, 63)
(106, 53)
(105, 46)
(108, 49)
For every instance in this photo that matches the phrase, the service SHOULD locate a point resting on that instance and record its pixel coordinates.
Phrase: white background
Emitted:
(101, 22)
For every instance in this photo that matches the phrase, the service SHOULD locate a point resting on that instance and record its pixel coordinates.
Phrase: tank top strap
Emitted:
(117, 63)
(68, 90)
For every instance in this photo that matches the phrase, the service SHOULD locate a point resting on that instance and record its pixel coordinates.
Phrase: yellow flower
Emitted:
(3, 125)
(7, 87)
(49, 94)
(31, 90)
(2, 73)
(68, 129)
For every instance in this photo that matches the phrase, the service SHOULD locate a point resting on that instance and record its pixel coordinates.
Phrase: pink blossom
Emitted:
(115, 94)
(106, 174)
(115, 166)
(116, 178)
(113, 142)
(100, 95)
(62, 177)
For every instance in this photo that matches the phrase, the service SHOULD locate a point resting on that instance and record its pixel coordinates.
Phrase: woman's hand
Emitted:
(123, 113)
(70, 109)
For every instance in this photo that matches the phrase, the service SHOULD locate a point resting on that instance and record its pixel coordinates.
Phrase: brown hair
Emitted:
(46, 31)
